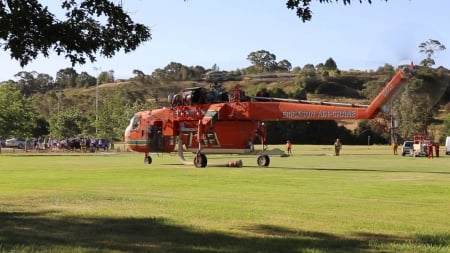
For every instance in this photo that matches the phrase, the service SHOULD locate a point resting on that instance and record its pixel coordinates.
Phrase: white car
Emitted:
(407, 148)
(15, 143)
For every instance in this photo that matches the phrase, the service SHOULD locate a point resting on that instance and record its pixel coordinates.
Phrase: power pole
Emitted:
(393, 128)
(96, 100)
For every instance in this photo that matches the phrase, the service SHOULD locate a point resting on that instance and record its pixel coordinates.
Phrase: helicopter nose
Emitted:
(127, 131)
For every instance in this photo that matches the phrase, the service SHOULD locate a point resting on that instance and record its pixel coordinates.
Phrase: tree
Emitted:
(41, 128)
(446, 127)
(66, 78)
(296, 70)
(264, 61)
(44, 82)
(304, 12)
(309, 70)
(29, 29)
(185, 73)
(17, 117)
(159, 74)
(413, 109)
(106, 77)
(330, 64)
(67, 123)
(198, 71)
(175, 71)
(26, 81)
(172, 71)
(428, 48)
(373, 87)
(369, 132)
(138, 74)
(299, 94)
(320, 67)
(386, 69)
(85, 80)
(32, 82)
(215, 67)
(149, 81)
(114, 116)
(278, 93)
(284, 65)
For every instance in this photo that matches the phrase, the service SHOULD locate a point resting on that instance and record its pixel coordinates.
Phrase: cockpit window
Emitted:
(135, 122)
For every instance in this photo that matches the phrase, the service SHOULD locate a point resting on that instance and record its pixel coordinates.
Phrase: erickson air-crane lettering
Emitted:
(215, 121)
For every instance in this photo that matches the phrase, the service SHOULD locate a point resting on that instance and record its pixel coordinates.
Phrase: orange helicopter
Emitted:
(217, 121)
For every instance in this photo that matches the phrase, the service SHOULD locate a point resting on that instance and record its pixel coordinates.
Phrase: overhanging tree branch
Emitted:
(28, 29)
(304, 12)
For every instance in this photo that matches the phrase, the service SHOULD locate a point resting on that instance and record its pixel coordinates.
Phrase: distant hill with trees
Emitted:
(85, 105)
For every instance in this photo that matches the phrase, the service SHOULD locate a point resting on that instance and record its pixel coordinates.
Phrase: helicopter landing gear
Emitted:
(200, 161)
(147, 159)
(263, 160)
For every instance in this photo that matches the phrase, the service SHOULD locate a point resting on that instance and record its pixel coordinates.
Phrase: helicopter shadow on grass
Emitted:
(357, 170)
(50, 231)
(312, 169)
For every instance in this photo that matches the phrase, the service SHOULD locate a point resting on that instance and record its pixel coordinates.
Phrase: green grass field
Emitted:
(366, 200)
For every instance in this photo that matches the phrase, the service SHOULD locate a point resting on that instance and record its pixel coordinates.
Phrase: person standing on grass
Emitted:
(436, 148)
(289, 147)
(395, 147)
(430, 150)
(337, 147)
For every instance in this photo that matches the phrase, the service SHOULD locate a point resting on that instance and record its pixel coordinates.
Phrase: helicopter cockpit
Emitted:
(140, 136)
(133, 125)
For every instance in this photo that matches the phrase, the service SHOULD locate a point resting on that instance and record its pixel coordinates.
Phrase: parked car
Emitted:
(102, 143)
(15, 143)
(407, 148)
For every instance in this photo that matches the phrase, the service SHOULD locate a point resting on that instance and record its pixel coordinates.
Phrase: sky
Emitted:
(224, 32)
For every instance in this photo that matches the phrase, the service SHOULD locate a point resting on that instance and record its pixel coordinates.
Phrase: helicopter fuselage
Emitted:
(222, 122)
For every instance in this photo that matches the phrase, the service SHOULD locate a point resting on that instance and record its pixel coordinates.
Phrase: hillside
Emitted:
(349, 87)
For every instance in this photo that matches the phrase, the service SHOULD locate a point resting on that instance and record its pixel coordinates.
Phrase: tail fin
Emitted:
(390, 91)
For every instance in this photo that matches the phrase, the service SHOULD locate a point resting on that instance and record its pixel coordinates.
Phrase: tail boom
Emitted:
(389, 92)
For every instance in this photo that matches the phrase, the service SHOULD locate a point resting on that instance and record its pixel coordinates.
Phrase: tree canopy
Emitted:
(28, 29)
(17, 117)
(303, 10)
(428, 48)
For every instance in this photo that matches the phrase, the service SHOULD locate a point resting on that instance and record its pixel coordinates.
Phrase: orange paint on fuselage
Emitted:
(233, 126)
(237, 135)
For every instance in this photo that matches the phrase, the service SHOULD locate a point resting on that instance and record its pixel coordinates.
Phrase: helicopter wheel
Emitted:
(148, 160)
(263, 160)
(200, 161)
